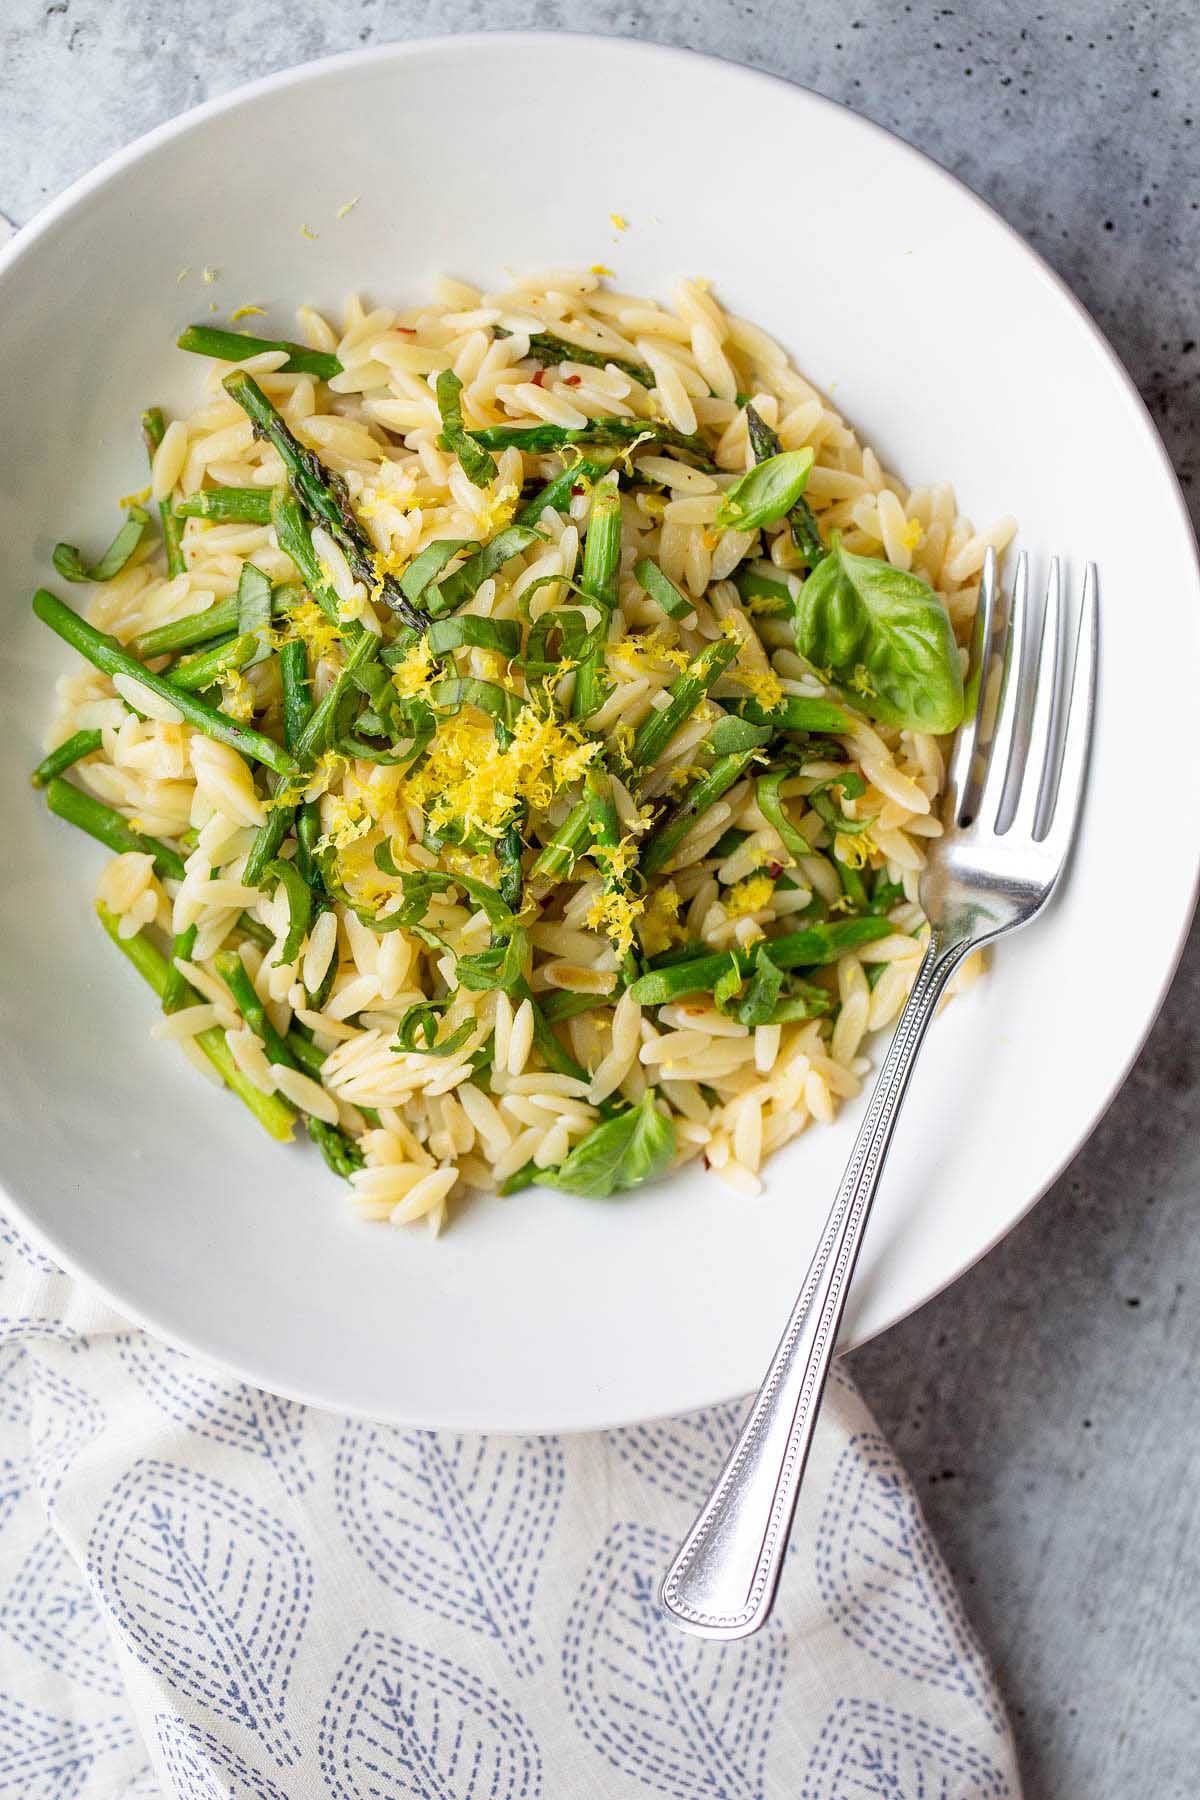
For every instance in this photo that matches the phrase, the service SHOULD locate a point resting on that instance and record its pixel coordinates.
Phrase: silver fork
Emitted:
(988, 874)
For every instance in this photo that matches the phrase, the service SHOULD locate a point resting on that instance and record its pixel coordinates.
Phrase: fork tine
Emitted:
(1035, 782)
(1081, 708)
(962, 756)
(994, 782)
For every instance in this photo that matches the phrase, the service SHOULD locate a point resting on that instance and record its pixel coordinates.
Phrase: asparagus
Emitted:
(153, 430)
(806, 949)
(667, 836)
(214, 622)
(557, 494)
(108, 827)
(686, 692)
(273, 1114)
(79, 744)
(107, 654)
(297, 708)
(228, 506)
(601, 565)
(315, 735)
(806, 533)
(535, 439)
(549, 350)
(339, 1150)
(177, 993)
(322, 494)
(236, 346)
(202, 671)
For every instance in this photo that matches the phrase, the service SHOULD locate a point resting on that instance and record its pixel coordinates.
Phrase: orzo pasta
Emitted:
(520, 736)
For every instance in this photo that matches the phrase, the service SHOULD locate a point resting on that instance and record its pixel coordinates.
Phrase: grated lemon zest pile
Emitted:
(616, 915)
(748, 896)
(660, 926)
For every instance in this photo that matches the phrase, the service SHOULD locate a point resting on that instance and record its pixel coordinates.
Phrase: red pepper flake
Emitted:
(539, 379)
(572, 380)
(578, 488)
(407, 330)
(705, 1161)
(774, 870)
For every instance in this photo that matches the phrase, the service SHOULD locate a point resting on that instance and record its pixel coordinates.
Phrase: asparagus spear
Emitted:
(535, 439)
(214, 622)
(806, 533)
(79, 744)
(153, 429)
(808, 949)
(236, 346)
(549, 350)
(557, 494)
(340, 1151)
(273, 1114)
(108, 827)
(200, 672)
(297, 709)
(322, 494)
(665, 839)
(228, 506)
(601, 563)
(107, 654)
(686, 692)
(177, 992)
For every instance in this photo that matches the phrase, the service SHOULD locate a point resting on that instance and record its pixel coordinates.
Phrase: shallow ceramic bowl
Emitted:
(953, 350)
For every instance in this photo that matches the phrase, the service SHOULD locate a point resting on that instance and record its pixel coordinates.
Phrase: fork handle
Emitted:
(723, 1580)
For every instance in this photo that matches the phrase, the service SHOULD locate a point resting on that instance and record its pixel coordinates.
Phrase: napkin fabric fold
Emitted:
(211, 1593)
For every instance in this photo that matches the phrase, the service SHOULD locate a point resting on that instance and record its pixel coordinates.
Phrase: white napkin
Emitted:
(209, 1593)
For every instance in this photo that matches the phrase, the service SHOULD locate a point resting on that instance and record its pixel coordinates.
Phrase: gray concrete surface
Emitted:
(1046, 1405)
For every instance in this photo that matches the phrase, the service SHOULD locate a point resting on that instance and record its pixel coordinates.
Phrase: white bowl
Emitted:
(951, 347)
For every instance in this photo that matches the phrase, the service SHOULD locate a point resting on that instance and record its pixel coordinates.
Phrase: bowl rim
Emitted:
(25, 238)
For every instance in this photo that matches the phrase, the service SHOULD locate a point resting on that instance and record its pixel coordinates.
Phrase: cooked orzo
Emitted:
(519, 726)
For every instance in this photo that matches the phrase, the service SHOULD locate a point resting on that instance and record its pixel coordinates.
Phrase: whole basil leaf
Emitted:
(622, 1153)
(885, 639)
(766, 492)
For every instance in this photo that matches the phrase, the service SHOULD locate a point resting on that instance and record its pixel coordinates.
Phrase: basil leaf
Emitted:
(477, 465)
(727, 986)
(764, 493)
(766, 596)
(299, 904)
(463, 690)
(254, 608)
(557, 637)
(771, 807)
(766, 982)
(465, 630)
(731, 735)
(620, 1154)
(663, 591)
(885, 639)
(500, 966)
(432, 560)
(454, 589)
(422, 884)
(823, 804)
(70, 563)
(417, 1030)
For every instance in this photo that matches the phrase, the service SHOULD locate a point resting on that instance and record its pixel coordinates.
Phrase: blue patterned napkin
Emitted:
(209, 1593)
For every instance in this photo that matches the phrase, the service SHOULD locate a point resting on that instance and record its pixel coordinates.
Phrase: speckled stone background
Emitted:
(1047, 1404)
